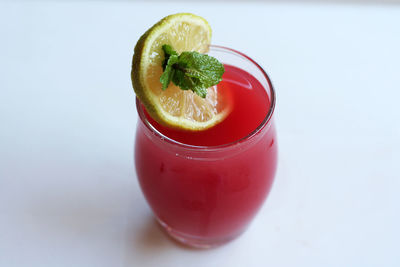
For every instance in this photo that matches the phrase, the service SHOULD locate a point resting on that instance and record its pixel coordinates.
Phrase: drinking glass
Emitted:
(204, 196)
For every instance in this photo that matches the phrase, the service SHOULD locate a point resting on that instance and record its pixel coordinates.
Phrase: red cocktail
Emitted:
(205, 187)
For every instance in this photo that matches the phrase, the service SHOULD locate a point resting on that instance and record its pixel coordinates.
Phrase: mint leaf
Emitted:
(190, 71)
(203, 67)
(201, 72)
(169, 71)
(186, 82)
(168, 51)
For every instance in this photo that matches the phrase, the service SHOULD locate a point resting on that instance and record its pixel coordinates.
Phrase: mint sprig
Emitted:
(190, 70)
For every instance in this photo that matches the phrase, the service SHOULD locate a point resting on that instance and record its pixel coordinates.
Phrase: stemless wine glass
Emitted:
(204, 196)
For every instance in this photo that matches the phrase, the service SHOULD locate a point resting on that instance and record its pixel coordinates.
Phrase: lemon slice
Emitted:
(174, 107)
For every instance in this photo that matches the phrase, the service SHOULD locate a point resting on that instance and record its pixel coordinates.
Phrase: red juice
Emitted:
(205, 187)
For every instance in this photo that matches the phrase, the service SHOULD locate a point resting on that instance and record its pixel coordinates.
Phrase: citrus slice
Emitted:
(174, 107)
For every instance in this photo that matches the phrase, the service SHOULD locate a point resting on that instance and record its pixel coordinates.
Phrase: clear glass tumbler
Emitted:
(204, 196)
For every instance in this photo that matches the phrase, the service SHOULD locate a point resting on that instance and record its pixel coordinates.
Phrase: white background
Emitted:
(68, 189)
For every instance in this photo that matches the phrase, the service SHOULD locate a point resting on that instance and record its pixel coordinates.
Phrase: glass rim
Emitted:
(265, 121)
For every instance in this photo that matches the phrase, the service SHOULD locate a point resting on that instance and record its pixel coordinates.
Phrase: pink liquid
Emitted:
(211, 196)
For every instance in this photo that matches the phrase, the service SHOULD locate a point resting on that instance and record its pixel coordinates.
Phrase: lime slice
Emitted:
(174, 107)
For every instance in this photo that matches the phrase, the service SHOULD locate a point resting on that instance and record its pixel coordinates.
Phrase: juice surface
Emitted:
(250, 105)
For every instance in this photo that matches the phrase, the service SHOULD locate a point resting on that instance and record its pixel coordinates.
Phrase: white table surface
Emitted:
(68, 189)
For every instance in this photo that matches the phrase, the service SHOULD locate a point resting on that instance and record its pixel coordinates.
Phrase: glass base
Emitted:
(194, 241)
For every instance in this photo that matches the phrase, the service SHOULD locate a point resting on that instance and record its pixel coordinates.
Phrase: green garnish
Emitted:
(190, 70)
